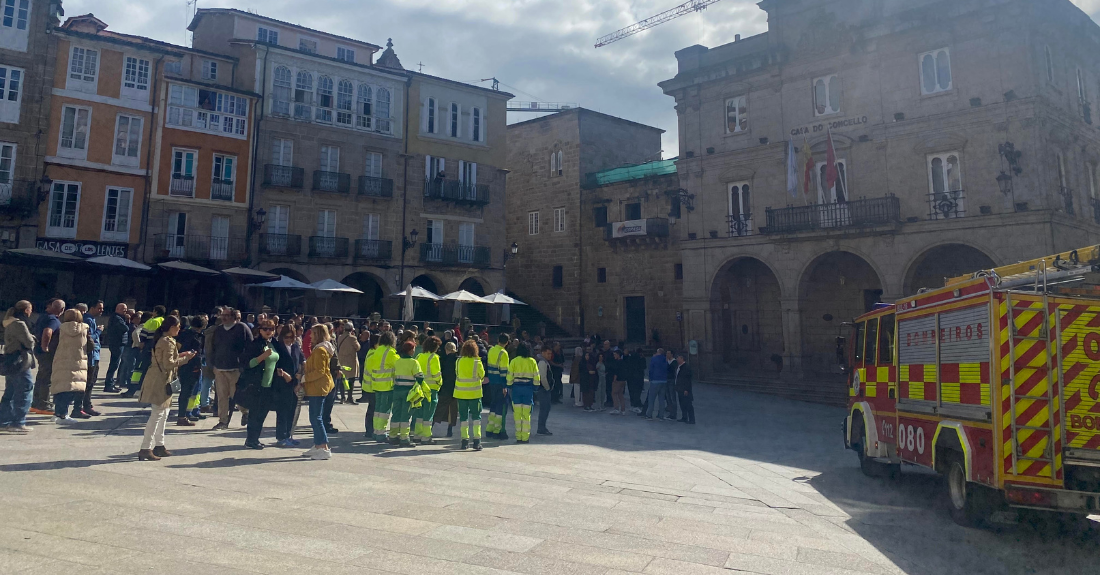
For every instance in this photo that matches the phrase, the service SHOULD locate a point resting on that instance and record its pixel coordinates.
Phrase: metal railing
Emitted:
(200, 248)
(331, 182)
(326, 247)
(221, 189)
(283, 176)
(1067, 199)
(280, 245)
(944, 205)
(375, 187)
(740, 225)
(373, 249)
(5, 193)
(455, 255)
(456, 191)
(653, 228)
(182, 186)
(857, 213)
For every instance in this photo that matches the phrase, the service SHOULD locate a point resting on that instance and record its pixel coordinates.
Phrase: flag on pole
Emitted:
(792, 170)
(808, 161)
(831, 173)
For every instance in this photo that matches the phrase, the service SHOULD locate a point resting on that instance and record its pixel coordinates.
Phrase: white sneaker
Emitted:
(309, 452)
(63, 420)
(613, 412)
(321, 454)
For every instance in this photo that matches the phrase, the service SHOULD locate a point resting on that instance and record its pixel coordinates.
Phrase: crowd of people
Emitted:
(410, 378)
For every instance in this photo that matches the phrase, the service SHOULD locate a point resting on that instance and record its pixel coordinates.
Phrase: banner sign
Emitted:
(628, 228)
(83, 248)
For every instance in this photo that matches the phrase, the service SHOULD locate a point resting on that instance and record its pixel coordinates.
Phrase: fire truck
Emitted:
(993, 381)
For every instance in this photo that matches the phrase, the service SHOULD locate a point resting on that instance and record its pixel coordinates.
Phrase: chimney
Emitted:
(736, 37)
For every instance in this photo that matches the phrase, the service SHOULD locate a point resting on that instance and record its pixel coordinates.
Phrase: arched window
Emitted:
(383, 110)
(559, 162)
(303, 96)
(475, 124)
(281, 93)
(363, 108)
(344, 95)
(324, 99)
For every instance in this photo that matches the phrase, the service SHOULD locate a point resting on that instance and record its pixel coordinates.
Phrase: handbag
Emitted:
(13, 363)
(172, 387)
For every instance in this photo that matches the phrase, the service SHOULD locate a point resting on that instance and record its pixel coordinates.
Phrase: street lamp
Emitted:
(508, 253)
(407, 242)
(259, 219)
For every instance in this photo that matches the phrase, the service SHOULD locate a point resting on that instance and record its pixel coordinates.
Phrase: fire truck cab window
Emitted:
(858, 339)
(886, 340)
(872, 340)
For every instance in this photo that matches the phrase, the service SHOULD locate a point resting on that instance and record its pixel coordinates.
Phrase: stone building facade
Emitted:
(963, 136)
(549, 159)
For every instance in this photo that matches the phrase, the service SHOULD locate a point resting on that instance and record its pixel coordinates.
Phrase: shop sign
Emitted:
(83, 248)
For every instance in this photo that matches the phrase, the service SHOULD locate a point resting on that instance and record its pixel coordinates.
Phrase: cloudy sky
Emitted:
(538, 49)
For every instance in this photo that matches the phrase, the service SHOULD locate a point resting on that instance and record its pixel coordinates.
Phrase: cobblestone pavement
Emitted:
(761, 485)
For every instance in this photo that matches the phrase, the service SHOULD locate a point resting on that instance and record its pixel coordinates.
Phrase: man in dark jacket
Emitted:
(229, 342)
(116, 336)
(683, 390)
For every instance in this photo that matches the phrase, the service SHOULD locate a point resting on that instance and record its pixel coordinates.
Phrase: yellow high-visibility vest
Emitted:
(381, 368)
(407, 372)
(498, 364)
(523, 371)
(368, 382)
(469, 372)
(433, 375)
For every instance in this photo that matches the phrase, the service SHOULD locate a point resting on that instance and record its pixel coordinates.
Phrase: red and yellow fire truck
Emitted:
(993, 381)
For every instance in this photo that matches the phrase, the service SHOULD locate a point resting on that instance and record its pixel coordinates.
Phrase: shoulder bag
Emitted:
(172, 387)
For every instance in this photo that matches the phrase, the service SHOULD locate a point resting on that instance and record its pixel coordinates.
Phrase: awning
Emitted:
(418, 293)
(248, 273)
(119, 262)
(500, 298)
(333, 286)
(180, 266)
(464, 296)
(284, 282)
(41, 253)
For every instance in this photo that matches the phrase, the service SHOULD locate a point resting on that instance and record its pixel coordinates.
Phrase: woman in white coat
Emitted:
(70, 366)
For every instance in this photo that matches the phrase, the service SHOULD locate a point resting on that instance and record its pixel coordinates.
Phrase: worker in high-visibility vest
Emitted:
(498, 385)
(469, 375)
(523, 378)
(406, 374)
(433, 376)
(380, 366)
(368, 389)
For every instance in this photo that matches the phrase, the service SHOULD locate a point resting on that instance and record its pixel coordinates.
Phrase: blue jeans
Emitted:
(126, 367)
(62, 401)
(18, 390)
(316, 414)
(204, 393)
(656, 391)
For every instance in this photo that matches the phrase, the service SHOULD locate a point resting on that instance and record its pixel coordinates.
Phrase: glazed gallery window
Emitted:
(74, 131)
(344, 96)
(363, 107)
(127, 140)
(826, 93)
(11, 94)
(135, 78)
(116, 215)
(83, 65)
(64, 204)
(281, 85)
(303, 96)
(324, 100)
(935, 71)
(737, 115)
(16, 13)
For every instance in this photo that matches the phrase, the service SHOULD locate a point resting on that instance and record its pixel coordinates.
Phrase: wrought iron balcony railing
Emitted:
(944, 205)
(5, 193)
(283, 176)
(285, 245)
(454, 255)
(182, 186)
(375, 187)
(331, 182)
(221, 190)
(856, 213)
(326, 247)
(199, 248)
(456, 191)
(740, 225)
(373, 249)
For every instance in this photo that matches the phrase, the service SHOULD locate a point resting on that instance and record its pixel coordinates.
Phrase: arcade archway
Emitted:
(933, 266)
(370, 300)
(836, 287)
(748, 317)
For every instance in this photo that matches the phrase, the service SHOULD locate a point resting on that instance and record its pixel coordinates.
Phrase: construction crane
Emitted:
(532, 106)
(685, 8)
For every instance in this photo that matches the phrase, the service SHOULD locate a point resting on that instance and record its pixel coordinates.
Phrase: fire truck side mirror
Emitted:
(841, 352)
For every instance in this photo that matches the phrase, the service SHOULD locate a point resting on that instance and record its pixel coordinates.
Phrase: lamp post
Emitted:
(508, 253)
(255, 223)
(407, 242)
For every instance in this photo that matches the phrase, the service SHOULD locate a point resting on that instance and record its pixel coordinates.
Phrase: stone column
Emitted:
(792, 337)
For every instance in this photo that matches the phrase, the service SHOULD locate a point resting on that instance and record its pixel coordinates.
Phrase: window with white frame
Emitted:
(127, 140)
(454, 120)
(737, 115)
(373, 167)
(219, 238)
(1090, 169)
(371, 225)
(326, 223)
(1049, 58)
(330, 161)
(282, 152)
(430, 126)
(384, 125)
(83, 69)
(363, 108)
(324, 100)
(267, 35)
(838, 192)
(344, 96)
(183, 173)
(740, 209)
(467, 173)
(826, 93)
(75, 121)
(475, 124)
(11, 93)
(207, 110)
(176, 238)
(303, 96)
(135, 78)
(225, 169)
(116, 215)
(307, 45)
(278, 223)
(466, 235)
(935, 71)
(173, 67)
(533, 223)
(280, 94)
(559, 219)
(209, 70)
(7, 171)
(554, 169)
(64, 210)
(945, 185)
(14, 24)
(345, 54)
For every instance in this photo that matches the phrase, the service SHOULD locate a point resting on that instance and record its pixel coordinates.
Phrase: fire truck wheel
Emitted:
(968, 503)
(868, 465)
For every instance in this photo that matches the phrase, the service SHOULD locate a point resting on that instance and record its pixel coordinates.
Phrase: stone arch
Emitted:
(290, 273)
(374, 292)
(930, 267)
(477, 312)
(748, 316)
(427, 310)
(286, 301)
(835, 287)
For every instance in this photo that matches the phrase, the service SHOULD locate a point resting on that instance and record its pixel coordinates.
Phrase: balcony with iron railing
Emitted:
(221, 190)
(454, 255)
(373, 249)
(946, 205)
(1067, 199)
(182, 186)
(199, 248)
(280, 245)
(335, 182)
(647, 228)
(375, 187)
(854, 214)
(5, 193)
(276, 176)
(740, 225)
(456, 191)
(328, 247)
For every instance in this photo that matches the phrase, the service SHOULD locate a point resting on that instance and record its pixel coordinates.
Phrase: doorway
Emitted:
(634, 308)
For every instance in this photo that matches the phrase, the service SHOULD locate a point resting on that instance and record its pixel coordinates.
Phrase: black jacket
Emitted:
(683, 380)
(253, 375)
(228, 346)
(192, 340)
(117, 332)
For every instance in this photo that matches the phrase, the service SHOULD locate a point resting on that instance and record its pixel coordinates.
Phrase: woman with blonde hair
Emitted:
(318, 383)
(70, 366)
(163, 369)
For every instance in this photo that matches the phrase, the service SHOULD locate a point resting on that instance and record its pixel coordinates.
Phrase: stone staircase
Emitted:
(826, 391)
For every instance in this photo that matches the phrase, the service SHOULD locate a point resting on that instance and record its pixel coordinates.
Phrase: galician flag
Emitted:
(792, 170)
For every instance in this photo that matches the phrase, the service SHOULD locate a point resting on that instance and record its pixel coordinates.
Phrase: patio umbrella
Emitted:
(500, 298)
(180, 266)
(334, 286)
(285, 282)
(119, 262)
(417, 293)
(409, 312)
(247, 273)
(464, 296)
(41, 253)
